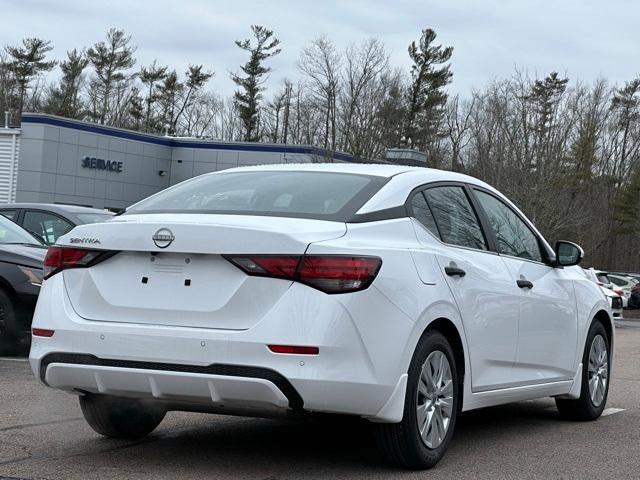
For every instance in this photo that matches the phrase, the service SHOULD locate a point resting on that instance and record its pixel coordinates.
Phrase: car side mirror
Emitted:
(568, 253)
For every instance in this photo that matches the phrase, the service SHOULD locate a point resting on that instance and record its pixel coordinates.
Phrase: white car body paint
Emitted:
(516, 344)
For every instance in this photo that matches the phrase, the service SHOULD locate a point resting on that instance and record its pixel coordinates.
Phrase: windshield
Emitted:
(13, 233)
(93, 217)
(320, 195)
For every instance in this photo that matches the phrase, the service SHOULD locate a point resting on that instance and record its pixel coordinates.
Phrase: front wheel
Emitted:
(421, 439)
(595, 378)
(117, 417)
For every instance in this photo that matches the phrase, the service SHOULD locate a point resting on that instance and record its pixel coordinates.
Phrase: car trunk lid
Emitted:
(182, 278)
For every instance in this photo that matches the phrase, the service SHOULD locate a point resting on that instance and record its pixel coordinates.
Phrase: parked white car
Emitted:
(604, 280)
(615, 299)
(624, 283)
(402, 295)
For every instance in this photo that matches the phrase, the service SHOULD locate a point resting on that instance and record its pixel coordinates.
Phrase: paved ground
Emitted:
(42, 435)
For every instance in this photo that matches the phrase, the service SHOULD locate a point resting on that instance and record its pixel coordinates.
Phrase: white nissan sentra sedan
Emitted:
(401, 295)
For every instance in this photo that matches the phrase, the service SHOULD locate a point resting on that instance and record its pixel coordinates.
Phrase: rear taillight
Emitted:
(268, 266)
(327, 273)
(338, 274)
(61, 258)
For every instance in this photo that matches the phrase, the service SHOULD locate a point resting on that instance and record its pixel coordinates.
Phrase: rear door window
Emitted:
(617, 281)
(456, 221)
(45, 225)
(10, 214)
(422, 213)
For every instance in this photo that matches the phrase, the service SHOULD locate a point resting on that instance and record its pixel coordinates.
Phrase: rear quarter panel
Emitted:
(391, 334)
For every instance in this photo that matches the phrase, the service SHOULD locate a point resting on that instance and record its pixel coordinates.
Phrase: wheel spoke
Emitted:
(593, 361)
(427, 431)
(440, 371)
(422, 417)
(433, 372)
(423, 388)
(593, 386)
(440, 421)
(446, 404)
(447, 389)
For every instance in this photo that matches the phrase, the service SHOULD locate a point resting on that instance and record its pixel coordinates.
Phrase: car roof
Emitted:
(54, 207)
(375, 169)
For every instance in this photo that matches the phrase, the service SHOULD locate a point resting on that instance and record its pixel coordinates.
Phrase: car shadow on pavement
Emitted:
(246, 446)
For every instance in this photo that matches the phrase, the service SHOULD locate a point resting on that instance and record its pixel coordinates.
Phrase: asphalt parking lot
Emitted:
(43, 436)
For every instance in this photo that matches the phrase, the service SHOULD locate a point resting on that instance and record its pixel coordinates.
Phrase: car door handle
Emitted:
(454, 271)
(524, 284)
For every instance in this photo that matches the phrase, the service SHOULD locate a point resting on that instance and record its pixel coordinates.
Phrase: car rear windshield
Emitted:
(304, 194)
(93, 217)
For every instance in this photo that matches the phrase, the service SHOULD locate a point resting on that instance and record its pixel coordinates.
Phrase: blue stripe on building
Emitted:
(177, 142)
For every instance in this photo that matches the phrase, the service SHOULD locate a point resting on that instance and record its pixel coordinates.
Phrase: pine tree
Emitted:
(27, 62)
(625, 107)
(248, 98)
(64, 99)
(168, 94)
(196, 79)
(110, 59)
(136, 110)
(426, 97)
(545, 95)
(150, 76)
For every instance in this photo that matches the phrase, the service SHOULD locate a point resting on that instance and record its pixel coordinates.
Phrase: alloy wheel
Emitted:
(598, 370)
(434, 402)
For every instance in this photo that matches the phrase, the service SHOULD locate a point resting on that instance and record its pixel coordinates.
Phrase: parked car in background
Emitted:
(402, 295)
(49, 221)
(634, 299)
(21, 257)
(604, 281)
(624, 283)
(634, 275)
(615, 299)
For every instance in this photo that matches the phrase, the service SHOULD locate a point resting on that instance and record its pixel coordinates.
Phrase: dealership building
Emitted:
(57, 160)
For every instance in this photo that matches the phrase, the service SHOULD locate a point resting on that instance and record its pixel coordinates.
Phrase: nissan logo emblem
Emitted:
(163, 238)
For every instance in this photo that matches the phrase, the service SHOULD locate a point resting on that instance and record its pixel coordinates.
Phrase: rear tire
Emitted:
(595, 378)
(116, 417)
(8, 326)
(431, 404)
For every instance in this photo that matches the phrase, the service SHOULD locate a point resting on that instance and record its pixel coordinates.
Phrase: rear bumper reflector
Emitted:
(42, 332)
(294, 350)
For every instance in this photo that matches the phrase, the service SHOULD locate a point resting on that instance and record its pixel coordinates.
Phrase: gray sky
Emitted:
(583, 38)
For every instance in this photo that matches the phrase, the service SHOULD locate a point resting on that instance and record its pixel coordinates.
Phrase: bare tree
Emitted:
(365, 64)
(111, 59)
(320, 62)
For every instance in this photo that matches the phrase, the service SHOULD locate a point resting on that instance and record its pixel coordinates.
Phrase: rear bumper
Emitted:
(243, 386)
(209, 369)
